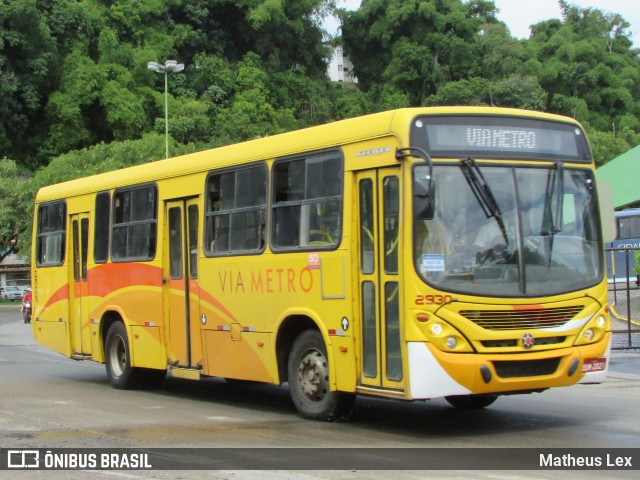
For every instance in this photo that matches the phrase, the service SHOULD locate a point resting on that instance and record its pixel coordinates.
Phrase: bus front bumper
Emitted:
(434, 373)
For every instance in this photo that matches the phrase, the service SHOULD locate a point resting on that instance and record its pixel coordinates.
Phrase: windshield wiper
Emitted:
(554, 191)
(553, 216)
(483, 193)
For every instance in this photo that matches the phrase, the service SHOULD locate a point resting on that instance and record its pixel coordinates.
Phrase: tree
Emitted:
(68, 110)
(519, 91)
(250, 114)
(475, 91)
(587, 66)
(414, 47)
(99, 158)
(288, 32)
(606, 146)
(13, 208)
(28, 75)
(499, 54)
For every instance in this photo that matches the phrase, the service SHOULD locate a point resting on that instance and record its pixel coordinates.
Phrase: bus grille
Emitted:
(521, 319)
(514, 342)
(526, 368)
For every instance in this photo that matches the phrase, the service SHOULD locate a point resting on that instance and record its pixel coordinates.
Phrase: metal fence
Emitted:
(17, 277)
(624, 298)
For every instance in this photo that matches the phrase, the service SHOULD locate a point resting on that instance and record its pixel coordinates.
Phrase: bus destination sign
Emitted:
(498, 137)
(501, 138)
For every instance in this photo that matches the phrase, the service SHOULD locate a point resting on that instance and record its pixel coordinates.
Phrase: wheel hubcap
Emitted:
(312, 373)
(118, 356)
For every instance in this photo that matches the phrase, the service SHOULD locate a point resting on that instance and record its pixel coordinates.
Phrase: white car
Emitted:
(11, 293)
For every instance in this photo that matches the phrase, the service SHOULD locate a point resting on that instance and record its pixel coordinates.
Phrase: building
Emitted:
(14, 272)
(340, 67)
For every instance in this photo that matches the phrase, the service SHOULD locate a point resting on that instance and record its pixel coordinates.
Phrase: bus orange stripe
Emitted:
(106, 278)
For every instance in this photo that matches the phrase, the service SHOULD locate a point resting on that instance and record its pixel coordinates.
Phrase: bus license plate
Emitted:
(594, 364)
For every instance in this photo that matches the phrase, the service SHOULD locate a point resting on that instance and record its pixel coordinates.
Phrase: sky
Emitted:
(518, 14)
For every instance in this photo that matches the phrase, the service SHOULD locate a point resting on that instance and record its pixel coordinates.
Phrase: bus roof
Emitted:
(629, 212)
(291, 143)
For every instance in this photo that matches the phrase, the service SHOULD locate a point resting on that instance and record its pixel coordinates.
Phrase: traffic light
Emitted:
(13, 243)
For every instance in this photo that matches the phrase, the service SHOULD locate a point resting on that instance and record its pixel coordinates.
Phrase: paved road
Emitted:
(48, 401)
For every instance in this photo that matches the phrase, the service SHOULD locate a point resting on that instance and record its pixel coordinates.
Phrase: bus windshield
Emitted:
(537, 236)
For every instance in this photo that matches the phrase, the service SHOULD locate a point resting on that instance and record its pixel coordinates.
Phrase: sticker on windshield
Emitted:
(433, 263)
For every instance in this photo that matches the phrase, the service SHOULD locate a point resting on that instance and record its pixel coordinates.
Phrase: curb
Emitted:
(620, 317)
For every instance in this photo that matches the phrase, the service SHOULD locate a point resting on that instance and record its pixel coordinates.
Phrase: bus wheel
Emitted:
(308, 372)
(118, 357)
(471, 402)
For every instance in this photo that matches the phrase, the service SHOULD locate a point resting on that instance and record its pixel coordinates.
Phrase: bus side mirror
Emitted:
(424, 199)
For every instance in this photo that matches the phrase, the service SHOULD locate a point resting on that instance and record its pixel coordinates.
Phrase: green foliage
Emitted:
(103, 157)
(250, 114)
(73, 72)
(76, 96)
(519, 91)
(474, 91)
(28, 71)
(499, 55)
(415, 47)
(348, 101)
(606, 146)
(13, 204)
(589, 70)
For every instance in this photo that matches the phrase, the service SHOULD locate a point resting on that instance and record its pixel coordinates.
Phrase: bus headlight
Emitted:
(593, 331)
(442, 335)
(588, 334)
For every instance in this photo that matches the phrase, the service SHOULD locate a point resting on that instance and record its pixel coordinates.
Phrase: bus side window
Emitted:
(51, 234)
(628, 227)
(133, 233)
(236, 206)
(101, 227)
(307, 202)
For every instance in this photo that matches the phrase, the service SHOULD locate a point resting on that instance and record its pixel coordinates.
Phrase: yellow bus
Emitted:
(413, 254)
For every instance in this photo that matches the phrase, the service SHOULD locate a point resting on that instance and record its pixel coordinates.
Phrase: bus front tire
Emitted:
(471, 402)
(308, 371)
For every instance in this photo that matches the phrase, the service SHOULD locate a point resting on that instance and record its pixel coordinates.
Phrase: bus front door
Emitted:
(181, 283)
(378, 279)
(79, 322)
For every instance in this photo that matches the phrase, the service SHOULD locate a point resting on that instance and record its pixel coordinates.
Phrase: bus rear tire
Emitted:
(308, 371)
(471, 402)
(118, 357)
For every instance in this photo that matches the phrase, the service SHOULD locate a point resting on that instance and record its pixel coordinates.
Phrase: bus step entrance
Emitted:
(186, 373)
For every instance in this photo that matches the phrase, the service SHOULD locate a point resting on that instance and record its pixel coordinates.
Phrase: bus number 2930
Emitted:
(433, 299)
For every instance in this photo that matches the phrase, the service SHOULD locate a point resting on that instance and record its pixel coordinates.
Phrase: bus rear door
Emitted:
(79, 322)
(181, 283)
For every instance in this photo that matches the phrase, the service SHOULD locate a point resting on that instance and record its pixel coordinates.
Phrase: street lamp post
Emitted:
(168, 66)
